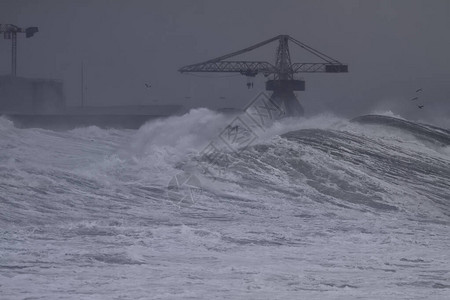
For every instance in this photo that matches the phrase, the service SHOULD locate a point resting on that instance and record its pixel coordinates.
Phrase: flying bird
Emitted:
(415, 98)
(420, 106)
(147, 85)
(419, 90)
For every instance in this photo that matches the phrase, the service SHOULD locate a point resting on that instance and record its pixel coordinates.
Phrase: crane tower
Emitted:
(282, 82)
(10, 33)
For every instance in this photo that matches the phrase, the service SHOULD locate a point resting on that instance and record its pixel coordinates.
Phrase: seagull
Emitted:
(420, 106)
(415, 98)
(419, 90)
(147, 85)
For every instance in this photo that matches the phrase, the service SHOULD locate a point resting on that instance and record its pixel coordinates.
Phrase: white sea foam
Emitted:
(331, 210)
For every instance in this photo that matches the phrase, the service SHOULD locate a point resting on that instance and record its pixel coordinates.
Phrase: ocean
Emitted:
(185, 208)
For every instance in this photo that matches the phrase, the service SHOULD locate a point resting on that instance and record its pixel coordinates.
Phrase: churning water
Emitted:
(318, 209)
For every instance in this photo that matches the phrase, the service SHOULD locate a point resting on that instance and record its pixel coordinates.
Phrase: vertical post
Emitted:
(13, 54)
(82, 83)
(283, 61)
(86, 96)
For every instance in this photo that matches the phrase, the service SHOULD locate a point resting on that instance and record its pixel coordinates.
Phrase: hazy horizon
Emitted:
(392, 48)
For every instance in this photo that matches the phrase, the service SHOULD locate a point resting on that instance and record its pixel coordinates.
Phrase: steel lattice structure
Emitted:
(10, 33)
(282, 66)
(283, 83)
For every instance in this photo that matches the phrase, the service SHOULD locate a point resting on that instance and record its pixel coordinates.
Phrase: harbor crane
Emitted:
(10, 33)
(282, 82)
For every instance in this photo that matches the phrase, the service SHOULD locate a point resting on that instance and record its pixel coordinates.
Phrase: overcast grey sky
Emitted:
(392, 48)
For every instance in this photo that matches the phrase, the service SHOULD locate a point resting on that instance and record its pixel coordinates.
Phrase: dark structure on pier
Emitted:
(10, 32)
(282, 82)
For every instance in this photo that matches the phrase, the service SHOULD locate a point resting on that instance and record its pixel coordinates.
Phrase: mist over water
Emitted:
(183, 207)
(322, 208)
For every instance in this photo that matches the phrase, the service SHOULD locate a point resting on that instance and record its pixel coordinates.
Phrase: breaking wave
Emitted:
(308, 191)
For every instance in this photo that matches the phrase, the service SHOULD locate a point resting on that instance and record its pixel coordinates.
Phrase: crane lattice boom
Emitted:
(282, 65)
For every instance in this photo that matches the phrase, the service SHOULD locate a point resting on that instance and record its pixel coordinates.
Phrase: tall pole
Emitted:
(82, 83)
(13, 54)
